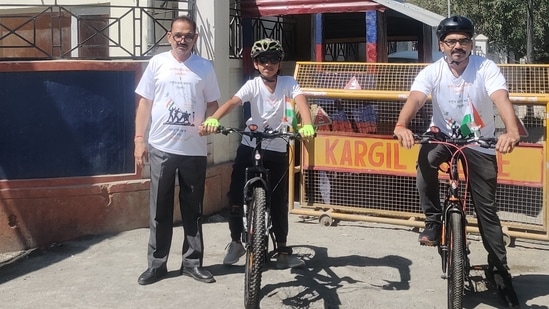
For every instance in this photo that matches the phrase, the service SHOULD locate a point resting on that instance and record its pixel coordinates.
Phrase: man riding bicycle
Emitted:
(463, 87)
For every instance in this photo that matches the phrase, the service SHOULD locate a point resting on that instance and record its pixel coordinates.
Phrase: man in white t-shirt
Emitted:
(178, 90)
(459, 84)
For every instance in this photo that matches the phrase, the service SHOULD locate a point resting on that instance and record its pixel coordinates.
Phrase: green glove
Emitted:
(307, 131)
(211, 122)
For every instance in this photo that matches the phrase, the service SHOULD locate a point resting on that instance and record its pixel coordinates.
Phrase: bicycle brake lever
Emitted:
(223, 130)
(487, 143)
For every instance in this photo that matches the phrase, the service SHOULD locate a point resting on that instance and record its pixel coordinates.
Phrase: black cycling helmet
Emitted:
(267, 46)
(455, 24)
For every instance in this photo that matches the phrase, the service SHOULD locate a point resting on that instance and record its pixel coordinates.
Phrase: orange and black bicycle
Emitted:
(452, 246)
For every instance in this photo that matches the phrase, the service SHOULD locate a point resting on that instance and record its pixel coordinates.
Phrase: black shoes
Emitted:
(198, 273)
(152, 275)
(430, 235)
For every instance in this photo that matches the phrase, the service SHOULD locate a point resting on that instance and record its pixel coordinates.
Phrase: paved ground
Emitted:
(352, 265)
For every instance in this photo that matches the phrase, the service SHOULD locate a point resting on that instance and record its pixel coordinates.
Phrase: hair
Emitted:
(184, 18)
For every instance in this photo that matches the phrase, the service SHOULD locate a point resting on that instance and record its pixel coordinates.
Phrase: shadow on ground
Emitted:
(31, 260)
(318, 283)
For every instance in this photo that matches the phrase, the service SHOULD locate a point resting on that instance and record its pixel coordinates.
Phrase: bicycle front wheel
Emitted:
(256, 248)
(456, 262)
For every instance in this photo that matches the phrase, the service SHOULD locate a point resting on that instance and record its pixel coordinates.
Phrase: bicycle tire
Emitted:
(256, 249)
(456, 262)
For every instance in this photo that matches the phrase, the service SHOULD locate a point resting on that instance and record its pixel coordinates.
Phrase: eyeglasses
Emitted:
(462, 42)
(187, 38)
(264, 59)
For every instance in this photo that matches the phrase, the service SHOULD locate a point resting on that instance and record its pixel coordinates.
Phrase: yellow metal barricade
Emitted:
(354, 169)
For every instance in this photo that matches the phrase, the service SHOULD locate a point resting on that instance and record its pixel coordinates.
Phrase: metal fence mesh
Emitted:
(396, 196)
(521, 79)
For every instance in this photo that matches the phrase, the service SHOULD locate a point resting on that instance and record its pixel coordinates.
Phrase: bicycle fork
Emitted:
(248, 189)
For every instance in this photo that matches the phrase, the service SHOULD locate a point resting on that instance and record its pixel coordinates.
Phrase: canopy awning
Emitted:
(258, 8)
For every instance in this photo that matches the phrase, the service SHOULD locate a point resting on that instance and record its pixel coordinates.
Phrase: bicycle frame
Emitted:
(453, 203)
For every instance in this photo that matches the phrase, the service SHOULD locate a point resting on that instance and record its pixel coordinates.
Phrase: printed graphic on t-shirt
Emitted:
(178, 116)
(181, 113)
(471, 121)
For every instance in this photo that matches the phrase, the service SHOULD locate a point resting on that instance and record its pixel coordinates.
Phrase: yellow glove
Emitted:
(211, 122)
(307, 131)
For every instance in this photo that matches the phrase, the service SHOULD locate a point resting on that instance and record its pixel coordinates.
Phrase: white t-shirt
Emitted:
(268, 109)
(180, 92)
(452, 96)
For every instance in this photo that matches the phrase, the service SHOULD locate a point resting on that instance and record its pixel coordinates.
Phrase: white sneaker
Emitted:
(234, 252)
(284, 261)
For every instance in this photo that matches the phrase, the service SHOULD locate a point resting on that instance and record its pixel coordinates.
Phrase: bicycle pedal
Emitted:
(482, 267)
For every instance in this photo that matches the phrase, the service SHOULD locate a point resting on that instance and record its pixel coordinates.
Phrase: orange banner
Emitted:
(385, 156)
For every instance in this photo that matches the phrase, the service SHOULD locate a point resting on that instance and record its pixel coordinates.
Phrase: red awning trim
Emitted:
(258, 8)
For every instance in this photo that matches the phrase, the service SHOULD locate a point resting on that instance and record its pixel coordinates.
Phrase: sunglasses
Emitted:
(265, 59)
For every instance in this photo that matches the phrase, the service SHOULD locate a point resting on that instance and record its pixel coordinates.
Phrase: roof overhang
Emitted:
(413, 11)
(258, 8)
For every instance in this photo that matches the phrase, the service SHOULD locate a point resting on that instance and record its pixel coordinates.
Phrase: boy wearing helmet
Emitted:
(267, 94)
(459, 83)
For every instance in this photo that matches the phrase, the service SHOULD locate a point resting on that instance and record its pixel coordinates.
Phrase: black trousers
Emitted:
(482, 184)
(191, 174)
(277, 163)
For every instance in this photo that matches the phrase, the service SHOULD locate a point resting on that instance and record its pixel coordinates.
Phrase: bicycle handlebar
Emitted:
(267, 134)
(431, 137)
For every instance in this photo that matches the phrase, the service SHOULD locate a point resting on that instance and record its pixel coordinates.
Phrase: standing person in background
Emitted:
(460, 84)
(268, 94)
(177, 92)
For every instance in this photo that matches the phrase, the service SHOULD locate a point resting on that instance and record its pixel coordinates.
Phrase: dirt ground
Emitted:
(351, 265)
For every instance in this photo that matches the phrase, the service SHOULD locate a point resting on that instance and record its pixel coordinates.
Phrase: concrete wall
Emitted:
(37, 217)
(38, 212)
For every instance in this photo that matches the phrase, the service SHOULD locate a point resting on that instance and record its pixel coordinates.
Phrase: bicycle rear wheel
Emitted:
(456, 261)
(256, 248)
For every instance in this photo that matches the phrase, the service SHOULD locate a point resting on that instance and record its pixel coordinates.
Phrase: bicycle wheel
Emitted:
(256, 249)
(456, 260)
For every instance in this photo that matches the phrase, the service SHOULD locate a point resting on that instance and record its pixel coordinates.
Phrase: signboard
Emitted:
(524, 166)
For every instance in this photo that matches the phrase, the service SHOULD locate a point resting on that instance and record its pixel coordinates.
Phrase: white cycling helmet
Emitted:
(267, 46)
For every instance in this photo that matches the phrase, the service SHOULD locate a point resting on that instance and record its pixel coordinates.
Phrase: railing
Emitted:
(347, 52)
(278, 28)
(85, 31)
(110, 31)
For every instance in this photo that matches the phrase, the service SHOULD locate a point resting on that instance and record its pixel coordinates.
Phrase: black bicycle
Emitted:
(256, 216)
(452, 246)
